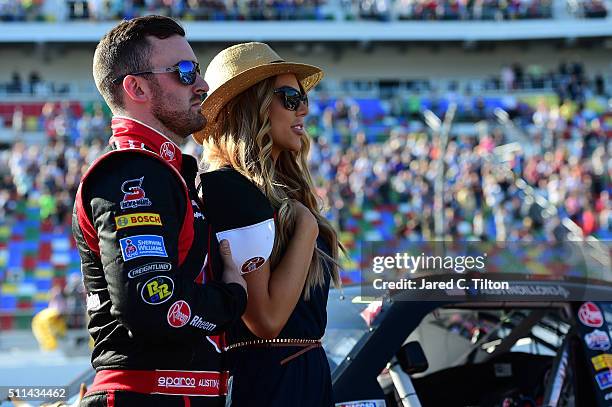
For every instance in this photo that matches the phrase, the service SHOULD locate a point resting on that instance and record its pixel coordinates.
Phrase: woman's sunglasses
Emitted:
(187, 71)
(291, 97)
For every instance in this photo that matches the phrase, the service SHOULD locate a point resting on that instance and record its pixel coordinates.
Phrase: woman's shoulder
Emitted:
(227, 194)
(227, 184)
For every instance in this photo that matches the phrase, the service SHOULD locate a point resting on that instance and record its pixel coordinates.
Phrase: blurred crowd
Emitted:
(213, 10)
(568, 162)
(481, 198)
(49, 174)
(588, 8)
(258, 10)
(32, 84)
(569, 81)
(472, 9)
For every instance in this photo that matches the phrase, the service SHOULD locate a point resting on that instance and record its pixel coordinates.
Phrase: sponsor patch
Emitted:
(138, 219)
(199, 322)
(597, 340)
(168, 151)
(134, 194)
(149, 268)
(252, 264)
(189, 383)
(602, 361)
(179, 314)
(604, 379)
(157, 290)
(362, 403)
(590, 315)
(142, 245)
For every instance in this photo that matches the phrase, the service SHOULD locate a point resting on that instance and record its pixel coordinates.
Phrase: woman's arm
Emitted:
(273, 296)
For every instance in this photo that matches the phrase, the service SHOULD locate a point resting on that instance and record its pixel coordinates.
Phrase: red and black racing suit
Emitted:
(152, 275)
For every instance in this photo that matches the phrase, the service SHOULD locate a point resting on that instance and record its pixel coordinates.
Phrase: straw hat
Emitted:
(237, 68)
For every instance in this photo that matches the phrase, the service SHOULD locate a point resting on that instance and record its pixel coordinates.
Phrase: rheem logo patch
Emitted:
(179, 314)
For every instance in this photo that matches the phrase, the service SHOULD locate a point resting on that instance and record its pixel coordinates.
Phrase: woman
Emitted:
(259, 192)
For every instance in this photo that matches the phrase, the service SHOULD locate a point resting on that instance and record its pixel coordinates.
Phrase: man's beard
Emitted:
(180, 122)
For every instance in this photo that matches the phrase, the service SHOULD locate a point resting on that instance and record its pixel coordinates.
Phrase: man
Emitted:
(151, 267)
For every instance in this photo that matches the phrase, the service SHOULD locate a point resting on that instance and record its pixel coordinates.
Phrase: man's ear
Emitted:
(136, 88)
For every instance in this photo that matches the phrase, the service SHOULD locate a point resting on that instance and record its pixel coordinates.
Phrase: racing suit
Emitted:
(151, 272)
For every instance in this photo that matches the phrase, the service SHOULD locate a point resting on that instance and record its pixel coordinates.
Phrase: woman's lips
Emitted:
(298, 129)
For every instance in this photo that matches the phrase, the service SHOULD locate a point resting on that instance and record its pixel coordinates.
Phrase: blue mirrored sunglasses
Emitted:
(187, 72)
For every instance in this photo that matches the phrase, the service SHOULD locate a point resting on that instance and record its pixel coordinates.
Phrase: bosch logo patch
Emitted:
(179, 314)
(252, 264)
(138, 219)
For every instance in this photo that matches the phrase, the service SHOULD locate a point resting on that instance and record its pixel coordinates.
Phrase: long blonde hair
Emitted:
(240, 139)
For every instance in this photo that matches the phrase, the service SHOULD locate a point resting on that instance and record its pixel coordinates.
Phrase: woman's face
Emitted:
(287, 125)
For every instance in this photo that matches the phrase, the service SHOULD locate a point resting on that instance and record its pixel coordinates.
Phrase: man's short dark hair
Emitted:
(126, 49)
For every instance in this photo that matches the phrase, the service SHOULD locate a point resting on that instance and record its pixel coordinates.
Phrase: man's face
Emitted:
(175, 105)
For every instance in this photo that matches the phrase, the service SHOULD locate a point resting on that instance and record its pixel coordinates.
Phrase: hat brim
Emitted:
(308, 76)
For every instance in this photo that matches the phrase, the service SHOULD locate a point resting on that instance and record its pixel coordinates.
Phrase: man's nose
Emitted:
(202, 87)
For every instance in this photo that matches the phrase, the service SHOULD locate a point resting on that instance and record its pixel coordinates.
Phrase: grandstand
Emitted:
(529, 155)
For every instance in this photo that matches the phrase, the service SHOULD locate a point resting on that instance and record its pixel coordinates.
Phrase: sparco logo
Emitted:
(179, 314)
(176, 382)
(148, 268)
(252, 264)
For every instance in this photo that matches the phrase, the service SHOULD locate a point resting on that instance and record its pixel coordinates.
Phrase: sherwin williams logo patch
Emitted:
(604, 379)
(157, 290)
(142, 245)
(138, 219)
(149, 268)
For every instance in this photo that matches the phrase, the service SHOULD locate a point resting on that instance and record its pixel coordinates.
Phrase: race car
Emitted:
(391, 352)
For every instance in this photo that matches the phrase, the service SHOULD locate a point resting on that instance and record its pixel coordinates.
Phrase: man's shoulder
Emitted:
(126, 163)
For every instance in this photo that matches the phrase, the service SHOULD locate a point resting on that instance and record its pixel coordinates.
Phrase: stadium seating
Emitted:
(372, 160)
(318, 10)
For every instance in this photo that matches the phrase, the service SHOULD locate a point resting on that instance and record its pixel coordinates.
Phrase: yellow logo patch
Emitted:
(602, 361)
(138, 219)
